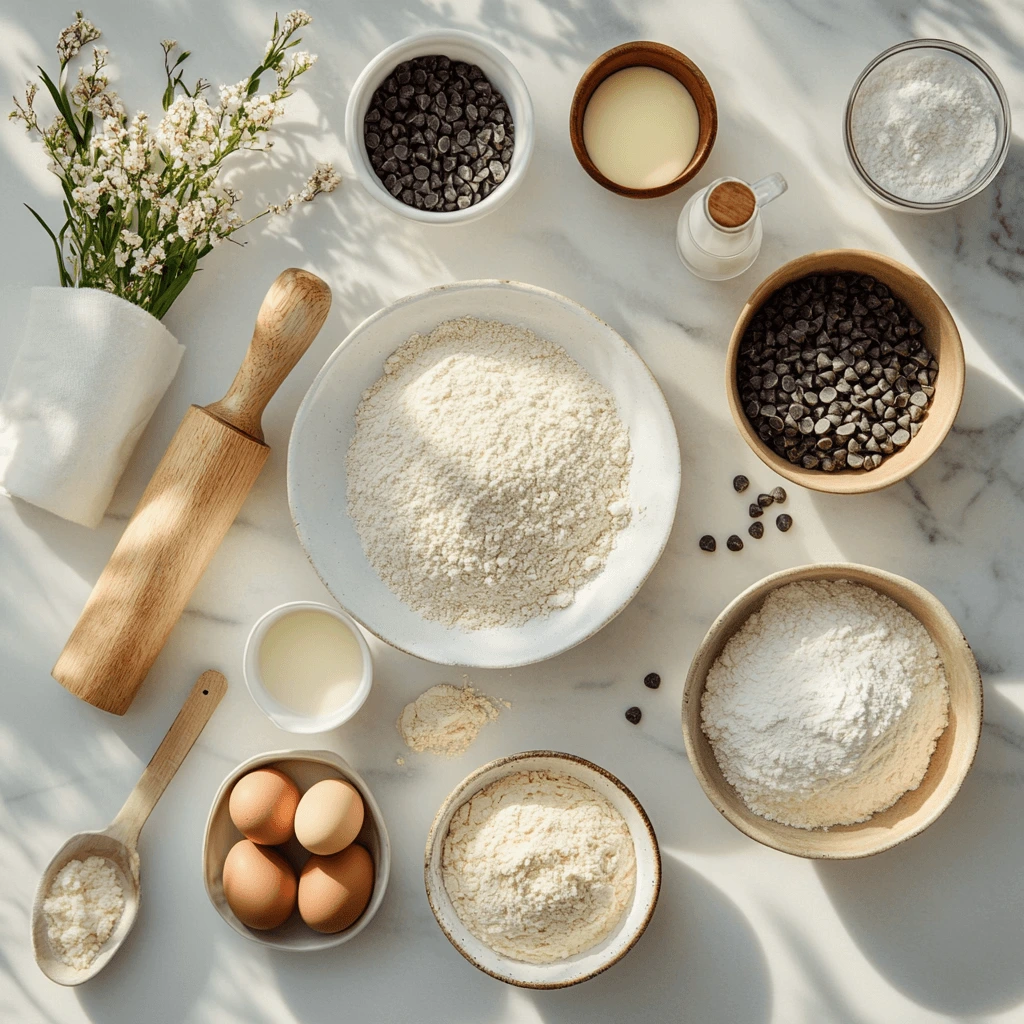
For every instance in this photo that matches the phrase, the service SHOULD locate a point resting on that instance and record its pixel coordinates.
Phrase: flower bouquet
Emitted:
(142, 205)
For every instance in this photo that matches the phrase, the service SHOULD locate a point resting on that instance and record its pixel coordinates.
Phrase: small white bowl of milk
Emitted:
(307, 666)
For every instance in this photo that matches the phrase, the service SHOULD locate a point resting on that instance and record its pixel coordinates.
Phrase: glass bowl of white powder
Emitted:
(927, 126)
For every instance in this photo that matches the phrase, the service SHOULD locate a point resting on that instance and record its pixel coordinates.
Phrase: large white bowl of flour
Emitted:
(325, 426)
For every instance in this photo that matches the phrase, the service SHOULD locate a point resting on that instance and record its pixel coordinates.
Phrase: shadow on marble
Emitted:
(140, 983)
(698, 960)
(955, 526)
(564, 31)
(436, 977)
(976, 252)
(942, 916)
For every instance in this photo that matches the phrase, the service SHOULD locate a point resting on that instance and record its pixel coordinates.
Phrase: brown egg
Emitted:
(262, 806)
(334, 891)
(329, 817)
(259, 885)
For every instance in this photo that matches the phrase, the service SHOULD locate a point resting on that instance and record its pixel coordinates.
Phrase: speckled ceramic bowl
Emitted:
(592, 962)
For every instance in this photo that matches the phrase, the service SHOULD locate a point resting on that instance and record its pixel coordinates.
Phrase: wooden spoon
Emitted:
(117, 843)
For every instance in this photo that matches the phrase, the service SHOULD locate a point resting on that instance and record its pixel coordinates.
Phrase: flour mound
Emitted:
(825, 707)
(488, 475)
(539, 866)
(446, 719)
(82, 909)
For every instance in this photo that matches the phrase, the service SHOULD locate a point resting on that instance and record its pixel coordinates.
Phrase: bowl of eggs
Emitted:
(296, 855)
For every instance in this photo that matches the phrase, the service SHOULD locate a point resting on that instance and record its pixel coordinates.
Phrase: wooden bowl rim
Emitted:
(593, 77)
(715, 638)
(845, 481)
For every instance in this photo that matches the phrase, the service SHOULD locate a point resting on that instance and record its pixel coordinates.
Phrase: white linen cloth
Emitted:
(90, 372)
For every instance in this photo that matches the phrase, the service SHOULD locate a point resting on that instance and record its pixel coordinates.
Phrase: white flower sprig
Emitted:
(143, 206)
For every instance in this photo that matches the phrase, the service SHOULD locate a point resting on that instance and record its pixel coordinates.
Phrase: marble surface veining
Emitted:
(931, 931)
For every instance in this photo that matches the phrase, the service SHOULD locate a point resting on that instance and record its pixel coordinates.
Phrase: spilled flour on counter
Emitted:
(539, 866)
(825, 706)
(446, 719)
(488, 475)
(82, 909)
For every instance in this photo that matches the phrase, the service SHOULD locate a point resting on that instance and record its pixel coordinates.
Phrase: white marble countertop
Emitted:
(930, 931)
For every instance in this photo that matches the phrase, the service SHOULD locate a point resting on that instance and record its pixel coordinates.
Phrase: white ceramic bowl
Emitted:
(592, 962)
(288, 718)
(306, 768)
(460, 46)
(325, 424)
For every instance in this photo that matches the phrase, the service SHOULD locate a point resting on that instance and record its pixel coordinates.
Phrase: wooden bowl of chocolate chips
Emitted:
(845, 371)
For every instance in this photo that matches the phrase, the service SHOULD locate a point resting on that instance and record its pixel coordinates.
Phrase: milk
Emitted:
(717, 248)
(310, 662)
(640, 127)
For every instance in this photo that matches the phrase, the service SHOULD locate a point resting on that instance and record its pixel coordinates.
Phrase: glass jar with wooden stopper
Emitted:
(719, 232)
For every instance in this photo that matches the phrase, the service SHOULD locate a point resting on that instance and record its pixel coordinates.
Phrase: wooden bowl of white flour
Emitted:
(396, 511)
(911, 813)
(562, 901)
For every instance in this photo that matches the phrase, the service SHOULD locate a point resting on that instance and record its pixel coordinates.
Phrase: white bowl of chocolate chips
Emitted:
(440, 127)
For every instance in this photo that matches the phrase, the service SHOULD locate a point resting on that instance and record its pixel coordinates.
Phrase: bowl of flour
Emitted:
(832, 710)
(542, 869)
(927, 126)
(484, 474)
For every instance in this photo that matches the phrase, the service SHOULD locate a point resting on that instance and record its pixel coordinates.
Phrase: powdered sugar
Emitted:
(925, 125)
(488, 474)
(825, 706)
(539, 866)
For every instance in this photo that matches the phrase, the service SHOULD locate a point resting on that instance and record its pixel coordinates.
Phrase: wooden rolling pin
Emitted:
(191, 501)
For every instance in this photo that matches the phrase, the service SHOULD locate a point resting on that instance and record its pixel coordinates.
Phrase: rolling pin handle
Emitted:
(292, 313)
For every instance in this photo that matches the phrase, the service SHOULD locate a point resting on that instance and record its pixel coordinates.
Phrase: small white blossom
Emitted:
(296, 19)
(74, 37)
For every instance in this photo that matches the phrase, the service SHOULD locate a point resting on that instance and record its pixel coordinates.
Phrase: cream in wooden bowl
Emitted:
(820, 389)
(891, 697)
(643, 120)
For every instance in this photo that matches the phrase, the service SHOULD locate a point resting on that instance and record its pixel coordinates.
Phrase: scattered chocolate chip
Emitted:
(633, 715)
(756, 530)
(652, 680)
(764, 500)
(734, 543)
(707, 543)
(755, 510)
(784, 522)
(779, 494)
(740, 484)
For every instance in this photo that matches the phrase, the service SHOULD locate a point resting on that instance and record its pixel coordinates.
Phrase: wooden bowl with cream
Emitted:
(644, 54)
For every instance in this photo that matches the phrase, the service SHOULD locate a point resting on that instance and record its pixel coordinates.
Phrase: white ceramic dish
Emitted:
(460, 46)
(306, 768)
(592, 962)
(325, 424)
(288, 718)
